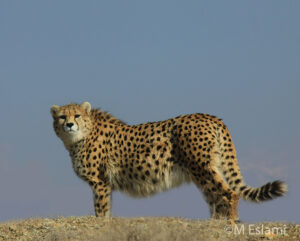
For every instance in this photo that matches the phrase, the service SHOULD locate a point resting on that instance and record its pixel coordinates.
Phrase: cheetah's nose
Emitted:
(70, 124)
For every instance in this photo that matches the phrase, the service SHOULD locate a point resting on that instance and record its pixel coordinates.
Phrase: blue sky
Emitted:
(148, 61)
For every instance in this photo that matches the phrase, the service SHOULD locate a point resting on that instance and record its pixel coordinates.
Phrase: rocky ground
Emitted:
(146, 229)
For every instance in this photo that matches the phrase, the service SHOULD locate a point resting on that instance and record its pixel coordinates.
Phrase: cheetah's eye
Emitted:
(77, 116)
(63, 117)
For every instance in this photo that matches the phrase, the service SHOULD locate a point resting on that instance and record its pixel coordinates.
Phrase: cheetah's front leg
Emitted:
(102, 196)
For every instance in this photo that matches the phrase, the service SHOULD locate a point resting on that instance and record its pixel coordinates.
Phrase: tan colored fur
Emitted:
(144, 159)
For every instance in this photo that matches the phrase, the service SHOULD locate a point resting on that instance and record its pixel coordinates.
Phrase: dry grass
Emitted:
(146, 229)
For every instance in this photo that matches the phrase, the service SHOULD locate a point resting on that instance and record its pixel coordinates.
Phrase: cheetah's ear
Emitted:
(86, 106)
(54, 109)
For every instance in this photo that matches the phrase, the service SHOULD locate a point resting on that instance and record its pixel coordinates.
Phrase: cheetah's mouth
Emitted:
(69, 130)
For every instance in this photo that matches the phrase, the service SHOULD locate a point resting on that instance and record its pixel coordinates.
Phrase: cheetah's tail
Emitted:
(232, 175)
(266, 192)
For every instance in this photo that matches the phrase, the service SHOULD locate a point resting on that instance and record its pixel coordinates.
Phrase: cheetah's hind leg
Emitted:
(223, 202)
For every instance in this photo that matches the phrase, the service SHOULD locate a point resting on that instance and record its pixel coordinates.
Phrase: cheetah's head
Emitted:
(71, 122)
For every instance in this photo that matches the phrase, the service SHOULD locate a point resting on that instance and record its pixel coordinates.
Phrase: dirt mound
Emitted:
(146, 229)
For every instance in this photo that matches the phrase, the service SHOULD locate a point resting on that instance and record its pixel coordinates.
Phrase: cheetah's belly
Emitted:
(151, 185)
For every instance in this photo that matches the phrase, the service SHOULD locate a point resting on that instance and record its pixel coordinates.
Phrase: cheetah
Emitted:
(148, 158)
